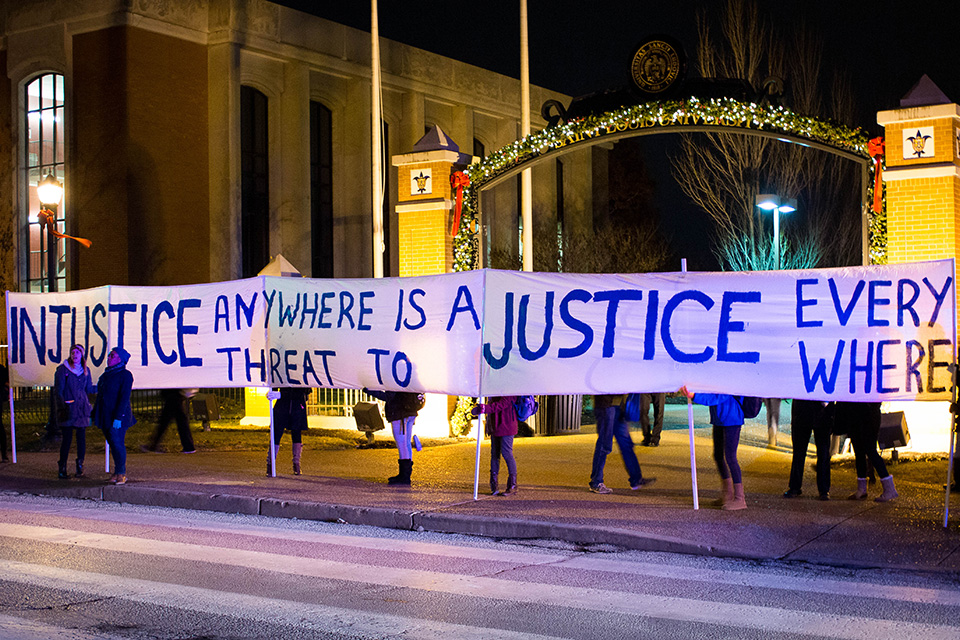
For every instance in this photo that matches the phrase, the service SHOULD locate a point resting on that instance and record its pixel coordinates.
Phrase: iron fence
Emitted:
(32, 404)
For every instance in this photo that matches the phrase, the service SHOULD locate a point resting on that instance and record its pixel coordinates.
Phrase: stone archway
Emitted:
(675, 116)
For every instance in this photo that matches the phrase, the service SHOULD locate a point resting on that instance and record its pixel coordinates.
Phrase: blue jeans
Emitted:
(118, 448)
(502, 446)
(610, 425)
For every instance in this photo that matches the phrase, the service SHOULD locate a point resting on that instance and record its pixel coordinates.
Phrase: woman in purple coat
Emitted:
(501, 427)
(72, 383)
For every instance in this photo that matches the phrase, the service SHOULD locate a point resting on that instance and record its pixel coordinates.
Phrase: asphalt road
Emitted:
(82, 570)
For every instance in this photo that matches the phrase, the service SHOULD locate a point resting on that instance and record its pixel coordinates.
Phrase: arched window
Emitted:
(43, 150)
(254, 182)
(321, 190)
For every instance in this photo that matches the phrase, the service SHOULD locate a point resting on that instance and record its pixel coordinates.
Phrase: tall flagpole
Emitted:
(526, 176)
(377, 172)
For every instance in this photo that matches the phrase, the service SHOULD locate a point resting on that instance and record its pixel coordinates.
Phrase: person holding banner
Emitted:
(112, 412)
(726, 416)
(611, 424)
(290, 412)
(71, 384)
(401, 409)
(651, 437)
(810, 417)
(174, 409)
(501, 426)
(863, 422)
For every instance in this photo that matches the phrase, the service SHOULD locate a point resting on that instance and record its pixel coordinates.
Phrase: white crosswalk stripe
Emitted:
(169, 538)
(319, 618)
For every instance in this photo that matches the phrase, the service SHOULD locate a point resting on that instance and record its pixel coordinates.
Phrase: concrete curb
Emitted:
(195, 500)
(572, 533)
(325, 512)
(582, 535)
(76, 492)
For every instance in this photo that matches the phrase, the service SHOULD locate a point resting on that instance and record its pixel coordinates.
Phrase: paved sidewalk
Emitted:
(553, 501)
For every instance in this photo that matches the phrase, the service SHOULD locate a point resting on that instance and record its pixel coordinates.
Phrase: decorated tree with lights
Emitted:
(723, 173)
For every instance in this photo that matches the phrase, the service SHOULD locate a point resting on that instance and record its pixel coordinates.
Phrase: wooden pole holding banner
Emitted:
(693, 456)
(271, 398)
(481, 423)
(693, 446)
(954, 433)
(13, 428)
(953, 438)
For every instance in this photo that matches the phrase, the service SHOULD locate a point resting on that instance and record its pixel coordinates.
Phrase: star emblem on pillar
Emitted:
(919, 142)
(420, 182)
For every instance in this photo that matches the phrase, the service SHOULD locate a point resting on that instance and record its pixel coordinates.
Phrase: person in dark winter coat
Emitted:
(809, 417)
(862, 422)
(290, 413)
(726, 416)
(174, 409)
(501, 426)
(72, 383)
(651, 433)
(401, 410)
(112, 411)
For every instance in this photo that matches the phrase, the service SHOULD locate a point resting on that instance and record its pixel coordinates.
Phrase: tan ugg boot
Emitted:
(726, 492)
(889, 492)
(739, 501)
(861, 492)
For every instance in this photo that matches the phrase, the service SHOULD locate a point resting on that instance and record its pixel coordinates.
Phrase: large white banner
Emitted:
(858, 333)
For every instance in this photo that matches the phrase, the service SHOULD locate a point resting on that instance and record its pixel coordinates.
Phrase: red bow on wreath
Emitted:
(875, 149)
(48, 221)
(458, 181)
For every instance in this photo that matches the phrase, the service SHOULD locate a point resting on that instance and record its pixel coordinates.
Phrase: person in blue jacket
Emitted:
(112, 412)
(726, 416)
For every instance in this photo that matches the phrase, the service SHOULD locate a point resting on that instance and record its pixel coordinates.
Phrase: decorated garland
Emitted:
(460, 421)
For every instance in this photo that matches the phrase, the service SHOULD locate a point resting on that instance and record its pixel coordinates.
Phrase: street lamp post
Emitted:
(771, 202)
(49, 192)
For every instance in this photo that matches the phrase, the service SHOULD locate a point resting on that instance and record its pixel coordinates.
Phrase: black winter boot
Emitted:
(406, 467)
(62, 466)
(79, 468)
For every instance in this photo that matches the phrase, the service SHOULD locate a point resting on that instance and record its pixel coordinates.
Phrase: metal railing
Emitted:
(335, 402)
(32, 404)
(559, 414)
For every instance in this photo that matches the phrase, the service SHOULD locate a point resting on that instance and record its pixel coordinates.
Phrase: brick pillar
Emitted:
(425, 211)
(922, 178)
(923, 182)
(425, 208)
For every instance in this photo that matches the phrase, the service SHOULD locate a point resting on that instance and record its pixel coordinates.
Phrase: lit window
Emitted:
(43, 154)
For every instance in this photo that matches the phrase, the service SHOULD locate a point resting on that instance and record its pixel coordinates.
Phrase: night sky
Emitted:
(578, 47)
